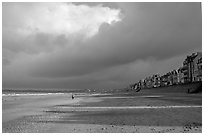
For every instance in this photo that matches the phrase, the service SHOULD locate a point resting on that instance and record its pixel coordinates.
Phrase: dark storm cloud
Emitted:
(115, 77)
(33, 45)
(158, 30)
(149, 35)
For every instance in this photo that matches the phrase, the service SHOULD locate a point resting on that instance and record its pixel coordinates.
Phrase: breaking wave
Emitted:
(30, 94)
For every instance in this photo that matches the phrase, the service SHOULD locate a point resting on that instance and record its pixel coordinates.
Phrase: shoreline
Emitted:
(61, 114)
(17, 106)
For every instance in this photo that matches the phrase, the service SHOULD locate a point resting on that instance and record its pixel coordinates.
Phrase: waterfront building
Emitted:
(197, 67)
(164, 80)
(180, 76)
(191, 69)
(156, 80)
(143, 83)
(149, 82)
(170, 78)
(174, 77)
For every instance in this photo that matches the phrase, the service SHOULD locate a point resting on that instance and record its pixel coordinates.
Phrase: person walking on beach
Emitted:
(72, 96)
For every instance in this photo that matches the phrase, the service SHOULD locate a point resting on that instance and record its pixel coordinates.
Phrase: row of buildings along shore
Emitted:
(191, 71)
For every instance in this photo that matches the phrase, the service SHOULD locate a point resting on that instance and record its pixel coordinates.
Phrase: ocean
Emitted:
(40, 92)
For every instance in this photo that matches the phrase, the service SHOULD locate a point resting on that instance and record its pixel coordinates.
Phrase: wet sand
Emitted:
(107, 113)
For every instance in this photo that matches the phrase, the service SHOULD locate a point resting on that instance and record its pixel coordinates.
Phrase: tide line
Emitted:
(130, 107)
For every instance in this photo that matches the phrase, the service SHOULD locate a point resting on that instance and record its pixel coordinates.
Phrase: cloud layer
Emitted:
(43, 27)
(77, 45)
(57, 18)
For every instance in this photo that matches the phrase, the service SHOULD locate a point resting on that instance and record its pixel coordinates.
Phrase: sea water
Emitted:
(30, 94)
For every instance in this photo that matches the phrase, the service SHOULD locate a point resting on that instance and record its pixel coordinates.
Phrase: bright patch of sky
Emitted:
(66, 19)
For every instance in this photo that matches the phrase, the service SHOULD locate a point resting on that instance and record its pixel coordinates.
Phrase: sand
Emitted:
(103, 113)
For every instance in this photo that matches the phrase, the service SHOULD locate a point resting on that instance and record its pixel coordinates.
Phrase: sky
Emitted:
(95, 45)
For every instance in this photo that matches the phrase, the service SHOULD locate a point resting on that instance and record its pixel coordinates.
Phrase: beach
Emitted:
(129, 112)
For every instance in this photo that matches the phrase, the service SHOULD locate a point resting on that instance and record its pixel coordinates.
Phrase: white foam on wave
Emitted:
(30, 94)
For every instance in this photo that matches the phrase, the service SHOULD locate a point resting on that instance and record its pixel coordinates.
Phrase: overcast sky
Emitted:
(95, 45)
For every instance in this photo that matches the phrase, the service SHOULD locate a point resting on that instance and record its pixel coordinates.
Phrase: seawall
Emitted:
(195, 87)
